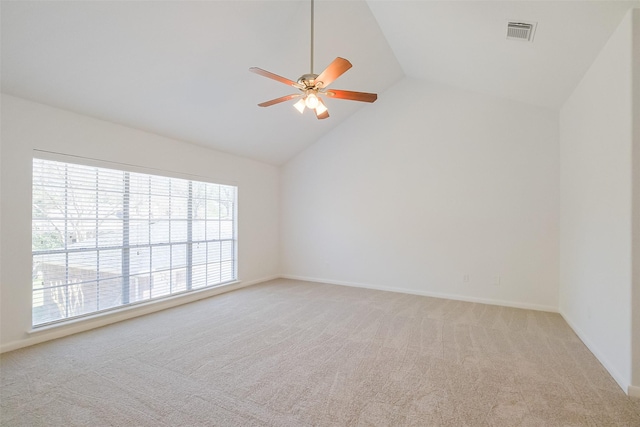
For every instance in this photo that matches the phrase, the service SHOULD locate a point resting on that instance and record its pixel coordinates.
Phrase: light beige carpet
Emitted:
(289, 353)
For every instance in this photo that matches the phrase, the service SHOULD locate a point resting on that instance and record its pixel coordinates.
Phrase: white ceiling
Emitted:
(463, 44)
(179, 68)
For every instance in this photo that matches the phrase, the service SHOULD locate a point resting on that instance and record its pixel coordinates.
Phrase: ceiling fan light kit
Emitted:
(311, 85)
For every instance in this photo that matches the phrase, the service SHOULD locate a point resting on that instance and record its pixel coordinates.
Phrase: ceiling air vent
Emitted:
(522, 31)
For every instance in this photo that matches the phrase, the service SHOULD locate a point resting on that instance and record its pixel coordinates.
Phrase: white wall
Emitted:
(423, 187)
(595, 209)
(27, 126)
(636, 207)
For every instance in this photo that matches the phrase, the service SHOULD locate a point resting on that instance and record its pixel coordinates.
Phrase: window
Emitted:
(105, 238)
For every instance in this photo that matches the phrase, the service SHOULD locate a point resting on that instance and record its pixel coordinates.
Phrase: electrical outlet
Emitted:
(465, 278)
(496, 281)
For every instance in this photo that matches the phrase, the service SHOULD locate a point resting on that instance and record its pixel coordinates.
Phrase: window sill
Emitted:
(140, 309)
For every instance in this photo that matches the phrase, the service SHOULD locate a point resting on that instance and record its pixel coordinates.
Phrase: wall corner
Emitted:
(634, 388)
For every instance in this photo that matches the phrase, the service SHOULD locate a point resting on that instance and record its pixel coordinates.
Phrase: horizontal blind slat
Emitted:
(98, 232)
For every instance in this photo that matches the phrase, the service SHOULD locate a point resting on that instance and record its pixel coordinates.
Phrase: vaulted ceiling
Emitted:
(180, 68)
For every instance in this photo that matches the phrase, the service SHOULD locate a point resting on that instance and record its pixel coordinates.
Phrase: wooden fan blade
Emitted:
(279, 100)
(353, 96)
(323, 115)
(275, 77)
(332, 72)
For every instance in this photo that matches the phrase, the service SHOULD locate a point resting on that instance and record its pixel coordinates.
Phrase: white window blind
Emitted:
(106, 238)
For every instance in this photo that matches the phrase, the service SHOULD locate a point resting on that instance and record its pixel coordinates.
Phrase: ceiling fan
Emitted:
(312, 86)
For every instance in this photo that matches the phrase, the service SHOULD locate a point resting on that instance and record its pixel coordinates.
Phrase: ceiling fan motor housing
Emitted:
(311, 87)
(308, 80)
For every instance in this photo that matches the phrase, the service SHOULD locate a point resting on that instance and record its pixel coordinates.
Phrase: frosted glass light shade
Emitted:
(311, 101)
(300, 105)
(321, 108)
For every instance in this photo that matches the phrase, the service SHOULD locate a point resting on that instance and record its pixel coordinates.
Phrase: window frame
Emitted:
(125, 246)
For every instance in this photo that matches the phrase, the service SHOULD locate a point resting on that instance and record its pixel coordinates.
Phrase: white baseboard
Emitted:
(627, 388)
(58, 331)
(624, 385)
(47, 333)
(456, 297)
